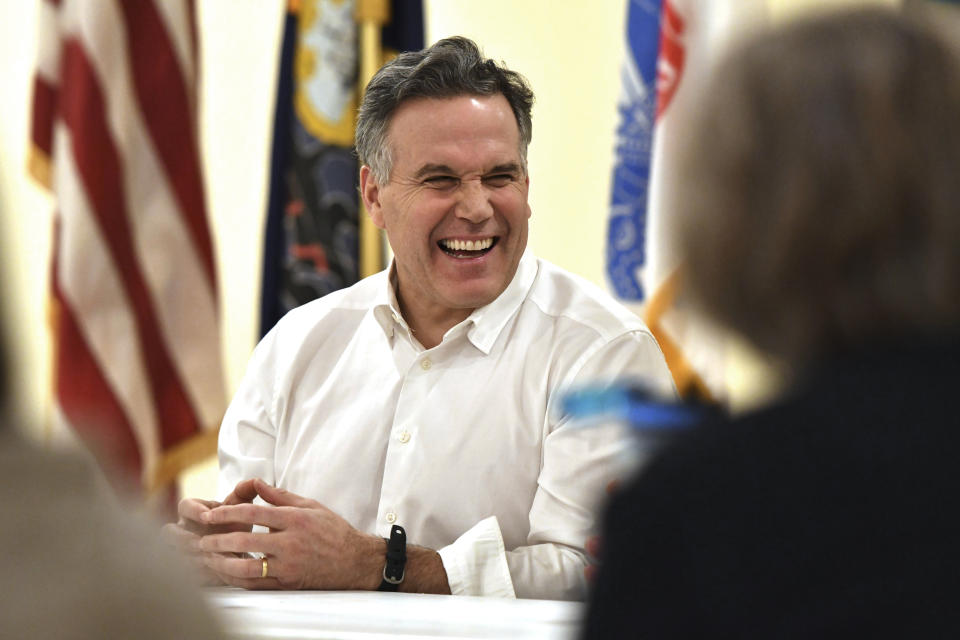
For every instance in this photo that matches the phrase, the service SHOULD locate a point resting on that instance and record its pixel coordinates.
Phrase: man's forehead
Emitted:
(467, 106)
(475, 99)
(460, 134)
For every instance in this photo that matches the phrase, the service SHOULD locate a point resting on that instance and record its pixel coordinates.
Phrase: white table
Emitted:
(354, 615)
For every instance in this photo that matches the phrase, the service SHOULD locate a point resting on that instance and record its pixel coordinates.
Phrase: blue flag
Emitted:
(631, 178)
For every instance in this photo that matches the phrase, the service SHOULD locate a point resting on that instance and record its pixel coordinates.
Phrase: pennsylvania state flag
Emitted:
(311, 239)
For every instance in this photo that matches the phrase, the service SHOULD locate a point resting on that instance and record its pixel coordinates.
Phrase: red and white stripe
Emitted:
(137, 342)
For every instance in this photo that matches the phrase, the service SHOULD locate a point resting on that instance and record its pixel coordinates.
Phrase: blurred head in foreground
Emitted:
(825, 215)
(78, 566)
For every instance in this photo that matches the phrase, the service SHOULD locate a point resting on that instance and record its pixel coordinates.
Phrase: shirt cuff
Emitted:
(476, 562)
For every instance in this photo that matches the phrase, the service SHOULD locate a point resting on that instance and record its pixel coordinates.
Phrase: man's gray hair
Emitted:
(450, 68)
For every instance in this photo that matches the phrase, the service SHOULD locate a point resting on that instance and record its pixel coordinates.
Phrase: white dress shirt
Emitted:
(461, 444)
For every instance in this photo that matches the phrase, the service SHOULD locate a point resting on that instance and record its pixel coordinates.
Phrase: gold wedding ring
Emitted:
(263, 574)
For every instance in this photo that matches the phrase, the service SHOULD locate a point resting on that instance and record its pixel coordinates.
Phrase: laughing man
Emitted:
(426, 395)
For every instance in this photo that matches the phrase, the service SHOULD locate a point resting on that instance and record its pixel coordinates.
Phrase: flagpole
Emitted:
(371, 15)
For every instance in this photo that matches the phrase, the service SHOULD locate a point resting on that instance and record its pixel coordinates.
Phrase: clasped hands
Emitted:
(308, 546)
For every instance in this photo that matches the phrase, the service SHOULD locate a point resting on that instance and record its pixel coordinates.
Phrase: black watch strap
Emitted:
(393, 570)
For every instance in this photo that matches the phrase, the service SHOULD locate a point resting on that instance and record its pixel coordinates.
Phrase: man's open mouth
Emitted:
(468, 248)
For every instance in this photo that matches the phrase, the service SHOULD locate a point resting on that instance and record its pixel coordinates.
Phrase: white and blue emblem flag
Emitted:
(668, 44)
(626, 232)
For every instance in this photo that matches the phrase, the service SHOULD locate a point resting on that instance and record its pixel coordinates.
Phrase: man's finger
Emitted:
(266, 584)
(245, 491)
(237, 543)
(282, 497)
(179, 537)
(191, 509)
(228, 566)
(204, 576)
(246, 514)
(244, 583)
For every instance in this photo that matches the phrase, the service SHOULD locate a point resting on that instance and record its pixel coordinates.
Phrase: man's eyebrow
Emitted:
(429, 169)
(433, 169)
(509, 167)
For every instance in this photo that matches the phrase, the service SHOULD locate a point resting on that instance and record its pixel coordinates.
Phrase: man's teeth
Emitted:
(467, 245)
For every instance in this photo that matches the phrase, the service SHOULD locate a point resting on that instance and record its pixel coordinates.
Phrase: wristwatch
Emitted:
(393, 570)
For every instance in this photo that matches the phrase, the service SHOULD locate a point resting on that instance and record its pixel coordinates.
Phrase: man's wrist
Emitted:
(424, 572)
(369, 563)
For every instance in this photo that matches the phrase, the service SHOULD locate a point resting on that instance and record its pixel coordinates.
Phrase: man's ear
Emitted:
(370, 192)
(527, 205)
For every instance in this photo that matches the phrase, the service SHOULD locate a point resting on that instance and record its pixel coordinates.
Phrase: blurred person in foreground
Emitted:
(76, 566)
(420, 403)
(822, 223)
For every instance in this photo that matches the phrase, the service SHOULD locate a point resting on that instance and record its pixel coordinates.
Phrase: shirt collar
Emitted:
(483, 326)
(488, 321)
(386, 309)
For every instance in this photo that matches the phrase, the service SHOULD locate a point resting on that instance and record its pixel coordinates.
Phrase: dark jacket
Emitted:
(831, 514)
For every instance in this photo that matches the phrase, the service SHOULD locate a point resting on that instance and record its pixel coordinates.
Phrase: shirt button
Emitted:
(391, 517)
(425, 364)
(404, 437)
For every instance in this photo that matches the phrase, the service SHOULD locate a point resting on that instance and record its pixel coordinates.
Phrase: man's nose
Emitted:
(473, 202)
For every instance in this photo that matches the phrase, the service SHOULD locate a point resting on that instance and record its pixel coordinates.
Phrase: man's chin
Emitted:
(474, 297)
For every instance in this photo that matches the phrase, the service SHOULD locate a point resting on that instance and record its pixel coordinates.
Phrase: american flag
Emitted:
(137, 364)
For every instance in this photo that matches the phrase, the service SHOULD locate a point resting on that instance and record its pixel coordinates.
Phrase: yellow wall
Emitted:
(24, 215)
